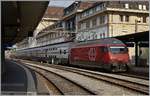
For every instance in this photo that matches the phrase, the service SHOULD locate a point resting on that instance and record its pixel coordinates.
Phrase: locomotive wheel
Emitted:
(126, 68)
(112, 69)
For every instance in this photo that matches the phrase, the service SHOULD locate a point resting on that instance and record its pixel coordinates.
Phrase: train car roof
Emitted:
(105, 41)
(39, 47)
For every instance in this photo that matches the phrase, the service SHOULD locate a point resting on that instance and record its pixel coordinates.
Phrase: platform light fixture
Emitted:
(137, 20)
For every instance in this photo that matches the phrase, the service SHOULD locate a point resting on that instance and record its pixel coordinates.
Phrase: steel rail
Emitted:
(121, 82)
(76, 84)
(138, 87)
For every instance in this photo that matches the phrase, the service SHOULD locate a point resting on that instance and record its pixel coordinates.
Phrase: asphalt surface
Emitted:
(17, 79)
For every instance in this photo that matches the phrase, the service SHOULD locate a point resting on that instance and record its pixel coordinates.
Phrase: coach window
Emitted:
(64, 51)
(60, 51)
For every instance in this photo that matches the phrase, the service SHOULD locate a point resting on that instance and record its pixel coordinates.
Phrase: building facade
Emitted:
(65, 28)
(110, 19)
(71, 12)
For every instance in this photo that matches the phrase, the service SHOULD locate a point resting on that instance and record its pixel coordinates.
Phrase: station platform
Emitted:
(19, 80)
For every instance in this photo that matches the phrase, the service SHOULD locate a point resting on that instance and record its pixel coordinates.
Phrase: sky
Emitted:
(61, 3)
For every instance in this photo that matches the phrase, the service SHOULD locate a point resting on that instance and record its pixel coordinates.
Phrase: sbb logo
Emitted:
(92, 54)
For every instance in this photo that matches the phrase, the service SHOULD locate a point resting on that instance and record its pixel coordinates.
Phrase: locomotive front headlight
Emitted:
(112, 62)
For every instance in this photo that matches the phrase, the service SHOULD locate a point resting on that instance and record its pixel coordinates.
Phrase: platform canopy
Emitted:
(139, 36)
(19, 19)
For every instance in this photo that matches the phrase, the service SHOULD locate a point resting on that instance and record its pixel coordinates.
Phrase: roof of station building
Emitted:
(54, 12)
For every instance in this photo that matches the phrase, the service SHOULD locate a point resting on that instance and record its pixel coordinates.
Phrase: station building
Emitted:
(64, 29)
(71, 13)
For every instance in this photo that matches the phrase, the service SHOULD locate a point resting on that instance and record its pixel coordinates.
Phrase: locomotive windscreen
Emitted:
(118, 49)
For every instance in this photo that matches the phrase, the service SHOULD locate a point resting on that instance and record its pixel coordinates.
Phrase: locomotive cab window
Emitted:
(118, 49)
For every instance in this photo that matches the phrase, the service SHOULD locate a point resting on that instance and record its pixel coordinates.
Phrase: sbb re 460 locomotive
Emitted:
(110, 54)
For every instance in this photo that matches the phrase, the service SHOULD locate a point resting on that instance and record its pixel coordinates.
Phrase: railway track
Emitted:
(134, 84)
(127, 83)
(59, 85)
(47, 86)
(134, 76)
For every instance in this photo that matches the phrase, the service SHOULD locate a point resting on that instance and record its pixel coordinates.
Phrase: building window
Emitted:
(84, 14)
(98, 8)
(144, 19)
(102, 19)
(94, 9)
(87, 13)
(83, 25)
(103, 35)
(90, 11)
(104, 5)
(144, 7)
(71, 25)
(140, 7)
(100, 35)
(127, 5)
(124, 18)
(127, 18)
(121, 18)
(94, 22)
(79, 26)
(87, 24)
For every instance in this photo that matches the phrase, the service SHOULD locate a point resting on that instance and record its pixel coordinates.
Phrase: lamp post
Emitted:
(136, 41)
(138, 20)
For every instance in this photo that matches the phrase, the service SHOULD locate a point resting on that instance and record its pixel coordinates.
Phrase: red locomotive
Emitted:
(110, 54)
